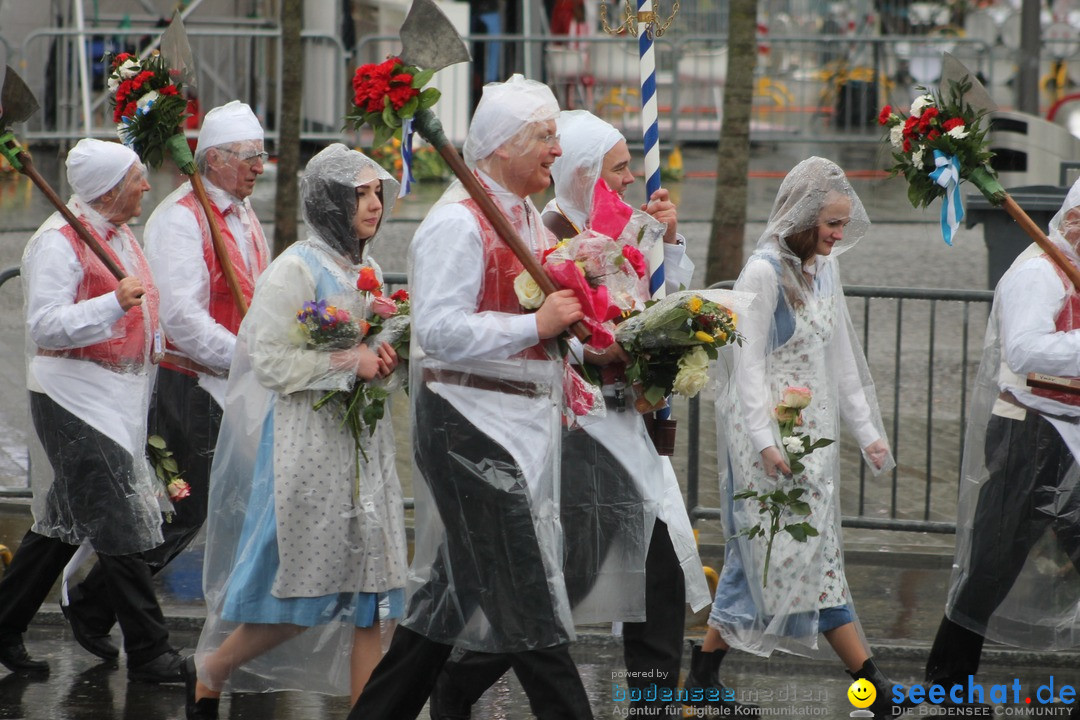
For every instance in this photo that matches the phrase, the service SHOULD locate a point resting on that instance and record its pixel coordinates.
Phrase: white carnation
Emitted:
(959, 132)
(114, 83)
(916, 159)
(896, 136)
(793, 444)
(129, 69)
(921, 103)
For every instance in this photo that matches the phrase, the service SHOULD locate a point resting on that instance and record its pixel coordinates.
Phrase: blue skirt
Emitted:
(248, 596)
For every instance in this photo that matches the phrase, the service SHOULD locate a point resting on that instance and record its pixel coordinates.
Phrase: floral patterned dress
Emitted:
(806, 346)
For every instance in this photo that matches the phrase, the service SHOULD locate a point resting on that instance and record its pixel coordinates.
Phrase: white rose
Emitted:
(896, 136)
(528, 292)
(793, 444)
(959, 132)
(921, 103)
(693, 373)
(128, 69)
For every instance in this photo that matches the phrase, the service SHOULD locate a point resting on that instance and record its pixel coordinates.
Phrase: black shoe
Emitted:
(165, 668)
(205, 709)
(704, 689)
(14, 657)
(446, 703)
(882, 707)
(93, 642)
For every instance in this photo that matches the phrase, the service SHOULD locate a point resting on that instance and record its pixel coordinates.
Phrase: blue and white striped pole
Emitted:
(650, 130)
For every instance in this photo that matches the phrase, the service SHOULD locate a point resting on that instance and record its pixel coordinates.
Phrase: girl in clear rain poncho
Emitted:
(305, 549)
(799, 343)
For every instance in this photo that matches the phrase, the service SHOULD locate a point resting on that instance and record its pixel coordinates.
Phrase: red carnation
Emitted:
(168, 90)
(401, 295)
(907, 145)
(138, 80)
(401, 94)
(933, 135)
(883, 116)
(927, 117)
(910, 125)
(952, 123)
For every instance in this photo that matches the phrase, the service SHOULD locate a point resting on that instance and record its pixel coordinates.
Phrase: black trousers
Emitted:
(1027, 461)
(188, 419)
(40, 560)
(403, 679)
(590, 518)
(491, 561)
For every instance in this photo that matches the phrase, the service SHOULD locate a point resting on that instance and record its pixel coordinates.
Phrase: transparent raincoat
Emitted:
(304, 528)
(89, 365)
(486, 395)
(615, 486)
(797, 334)
(1018, 517)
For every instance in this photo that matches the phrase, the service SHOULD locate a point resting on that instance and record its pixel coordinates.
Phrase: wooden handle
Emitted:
(1035, 233)
(219, 245)
(505, 229)
(31, 172)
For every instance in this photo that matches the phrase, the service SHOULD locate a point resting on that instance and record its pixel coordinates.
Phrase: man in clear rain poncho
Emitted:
(90, 344)
(631, 554)
(200, 320)
(486, 391)
(1018, 514)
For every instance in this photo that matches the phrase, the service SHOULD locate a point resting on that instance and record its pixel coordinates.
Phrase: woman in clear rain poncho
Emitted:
(797, 335)
(305, 548)
(1018, 516)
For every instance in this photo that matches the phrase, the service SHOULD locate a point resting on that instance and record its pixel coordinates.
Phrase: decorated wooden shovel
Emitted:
(429, 41)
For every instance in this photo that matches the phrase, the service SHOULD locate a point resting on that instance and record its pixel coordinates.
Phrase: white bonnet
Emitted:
(94, 167)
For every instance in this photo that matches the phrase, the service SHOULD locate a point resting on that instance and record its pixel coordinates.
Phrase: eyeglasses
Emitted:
(252, 158)
(549, 140)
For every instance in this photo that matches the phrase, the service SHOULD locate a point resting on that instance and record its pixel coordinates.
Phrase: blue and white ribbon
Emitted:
(406, 157)
(947, 175)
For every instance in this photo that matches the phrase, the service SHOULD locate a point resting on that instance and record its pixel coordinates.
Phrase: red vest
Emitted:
(132, 342)
(501, 266)
(1068, 319)
(222, 308)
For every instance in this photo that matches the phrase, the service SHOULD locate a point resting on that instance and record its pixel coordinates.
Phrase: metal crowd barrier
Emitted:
(923, 347)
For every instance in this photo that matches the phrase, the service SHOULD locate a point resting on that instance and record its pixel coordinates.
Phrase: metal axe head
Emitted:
(952, 70)
(17, 103)
(429, 40)
(176, 49)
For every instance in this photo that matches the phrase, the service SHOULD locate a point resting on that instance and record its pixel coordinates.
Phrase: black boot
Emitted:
(883, 705)
(704, 689)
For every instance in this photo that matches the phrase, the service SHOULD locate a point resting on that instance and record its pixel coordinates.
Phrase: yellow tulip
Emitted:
(704, 336)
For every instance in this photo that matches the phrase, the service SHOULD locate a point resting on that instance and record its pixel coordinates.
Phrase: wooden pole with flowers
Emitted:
(942, 141)
(149, 109)
(391, 98)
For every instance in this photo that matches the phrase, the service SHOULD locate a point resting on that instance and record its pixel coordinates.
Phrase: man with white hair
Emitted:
(486, 389)
(91, 341)
(200, 319)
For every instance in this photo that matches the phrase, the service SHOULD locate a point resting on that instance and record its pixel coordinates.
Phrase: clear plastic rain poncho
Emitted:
(1018, 517)
(614, 484)
(487, 571)
(89, 364)
(304, 528)
(797, 335)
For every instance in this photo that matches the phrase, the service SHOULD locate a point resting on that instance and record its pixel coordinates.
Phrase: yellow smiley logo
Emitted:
(862, 693)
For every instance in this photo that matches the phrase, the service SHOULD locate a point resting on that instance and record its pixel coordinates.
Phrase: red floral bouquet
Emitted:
(148, 105)
(388, 93)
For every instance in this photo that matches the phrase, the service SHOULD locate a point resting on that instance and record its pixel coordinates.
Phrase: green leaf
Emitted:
(422, 78)
(155, 441)
(409, 109)
(429, 97)
(797, 532)
(799, 507)
(170, 465)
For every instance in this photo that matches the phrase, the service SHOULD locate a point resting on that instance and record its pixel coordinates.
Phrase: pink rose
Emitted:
(636, 260)
(384, 307)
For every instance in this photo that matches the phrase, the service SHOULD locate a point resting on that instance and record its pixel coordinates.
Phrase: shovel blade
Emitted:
(954, 70)
(429, 40)
(17, 103)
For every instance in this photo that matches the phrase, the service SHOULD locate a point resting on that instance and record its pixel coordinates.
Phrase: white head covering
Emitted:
(504, 109)
(1057, 232)
(585, 140)
(232, 122)
(94, 167)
